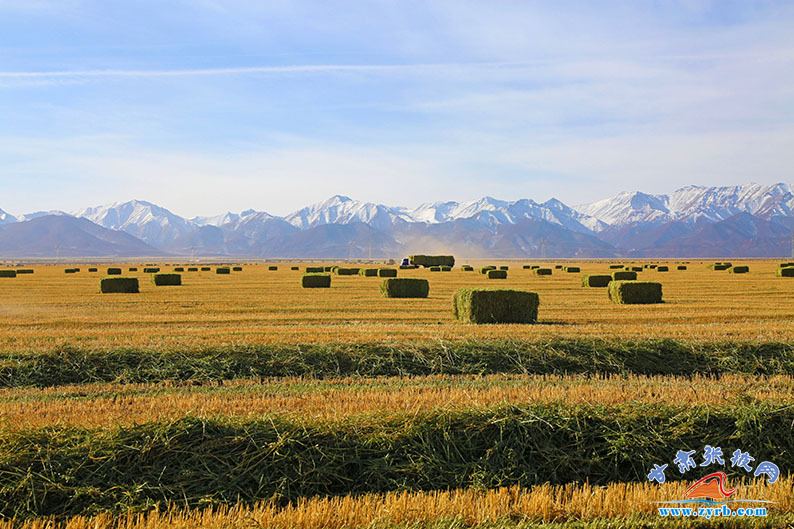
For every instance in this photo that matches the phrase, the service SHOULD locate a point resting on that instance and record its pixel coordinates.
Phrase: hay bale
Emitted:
(272, 268)
(558, 267)
(572, 269)
(615, 266)
(534, 267)
(624, 275)
(316, 280)
(132, 269)
(633, 269)
(635, 292)
(179, 269)
(542, 271)
(492, 305)
(221, 270)
(9, 273)
(329, 268)
(431, 260)
(741, 269)
(504, 268)
(368, 272)
(405, 287)
(485, 269)
(114, 271)
(785, 265)
(192, 269)
(435, 268)
(24, 271)
(662, 268)
(151, 270)
(118, 285)
(681, 267)
(787, 271)
(162, 280)
(346, 271)
(76, 269)
(596, 281)
(93, 270)
(496, 274)
(408, 267)
(387, 272)
(291, 268)
(527, 267)
(446, 269)
(205, 268)
(315, 269)
(467, 268)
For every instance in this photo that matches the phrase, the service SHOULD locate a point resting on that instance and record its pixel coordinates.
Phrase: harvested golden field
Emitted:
(629, 504)
(110, 405)
(50, 309)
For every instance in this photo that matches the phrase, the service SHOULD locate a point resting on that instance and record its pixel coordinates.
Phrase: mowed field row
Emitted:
(49, 309)
(626, 505)
(111, 405)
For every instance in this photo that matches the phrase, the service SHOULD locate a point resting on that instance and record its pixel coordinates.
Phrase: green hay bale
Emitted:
(205, 268)
(179, 269)
(114, 271)
(491, 305)
(346, 271)
(152, 270)
(76, 269)
(68, 271)
(387, 272)
(8, 273)
(596, 281)
(132, 269)
(272, 268)
(635, 292)
(329, 268)
(485, 269)
(534, 267)
(467, 268)
(316, 280)
(368, 272)
(446, 269)
(93, 270)
(118, 285)
(497, 274)
(315, 269)
(558, 267)
(23, 271)
(435, 268)
(504, 268)
(624, 275)
(221, 270)
(542, 271)
(615, 266)
(162, 280)
(572, 269)
(405, 287)
(527, 267)
(681, 267)
(291, 268)
(785, 265)
(633, 269)
(741, 269)
(431, 260)
(787, 271)
(192, 269)
(662, 268)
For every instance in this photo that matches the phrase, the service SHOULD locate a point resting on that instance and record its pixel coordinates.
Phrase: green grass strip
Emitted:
(192, 462)
(648, 357)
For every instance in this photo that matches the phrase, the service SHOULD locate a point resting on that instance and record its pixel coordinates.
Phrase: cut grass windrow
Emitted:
(572, 506)
(194, 463)
(645, 357)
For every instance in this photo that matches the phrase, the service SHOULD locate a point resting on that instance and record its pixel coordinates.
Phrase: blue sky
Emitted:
(205, 106)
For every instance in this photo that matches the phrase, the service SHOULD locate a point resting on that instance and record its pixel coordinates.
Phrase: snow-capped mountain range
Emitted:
(629, 223)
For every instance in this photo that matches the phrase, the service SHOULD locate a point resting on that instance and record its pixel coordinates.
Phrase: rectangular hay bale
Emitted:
(497, 274)
(492, 305)
(316, 280)
(162, 280)
(596, 280)
(405, 287)
(635, 292)
(118, 285)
